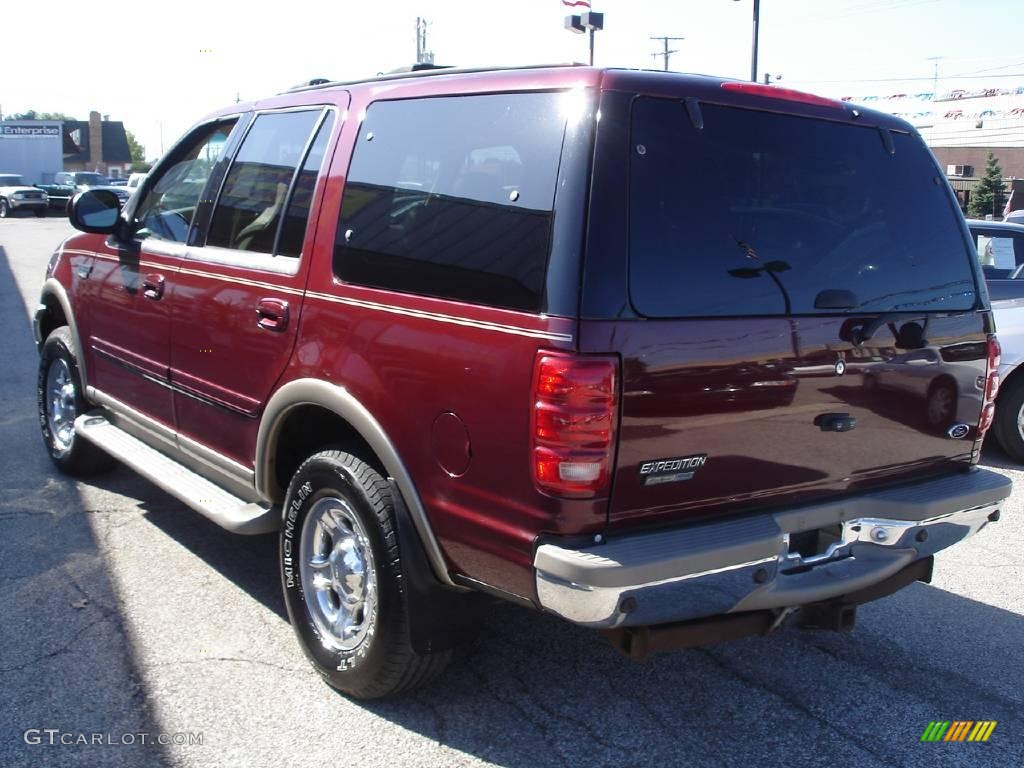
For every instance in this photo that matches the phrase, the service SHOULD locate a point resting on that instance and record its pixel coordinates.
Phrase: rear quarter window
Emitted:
(452, 197)
(761, 213)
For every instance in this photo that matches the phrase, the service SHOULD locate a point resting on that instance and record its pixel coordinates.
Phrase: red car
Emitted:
(590, 341)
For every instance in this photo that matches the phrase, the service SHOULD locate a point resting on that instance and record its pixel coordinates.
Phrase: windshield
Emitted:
(759, 213)
(11, 180)
(90, 179)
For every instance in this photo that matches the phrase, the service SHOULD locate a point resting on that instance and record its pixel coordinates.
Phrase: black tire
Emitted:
(940, 406)
(41, 213)
(384, 661)
(1006, 427)
(5, 209)
(74, 455)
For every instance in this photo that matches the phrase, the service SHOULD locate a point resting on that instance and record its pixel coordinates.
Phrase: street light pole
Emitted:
(753, 50)
(753, 47)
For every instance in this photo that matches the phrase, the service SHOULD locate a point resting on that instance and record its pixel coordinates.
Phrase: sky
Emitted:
(160, 66)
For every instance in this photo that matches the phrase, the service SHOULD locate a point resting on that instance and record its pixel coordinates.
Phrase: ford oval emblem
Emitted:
(840, 367)
(958, 432)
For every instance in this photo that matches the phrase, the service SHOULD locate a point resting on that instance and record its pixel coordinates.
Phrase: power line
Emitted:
(990, 69)
(893, 5)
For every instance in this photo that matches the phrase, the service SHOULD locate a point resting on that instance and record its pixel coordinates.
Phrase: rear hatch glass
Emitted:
(809, 302)
(762, 212)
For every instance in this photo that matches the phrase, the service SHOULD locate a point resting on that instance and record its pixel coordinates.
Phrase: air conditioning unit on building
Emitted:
(958, 170)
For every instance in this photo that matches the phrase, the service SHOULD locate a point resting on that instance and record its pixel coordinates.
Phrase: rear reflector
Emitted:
(782, 94)
(574, 418)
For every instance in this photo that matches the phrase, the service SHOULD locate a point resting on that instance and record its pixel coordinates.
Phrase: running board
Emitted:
(204, 496)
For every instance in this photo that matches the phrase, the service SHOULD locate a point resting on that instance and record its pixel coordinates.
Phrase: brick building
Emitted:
(97, 145)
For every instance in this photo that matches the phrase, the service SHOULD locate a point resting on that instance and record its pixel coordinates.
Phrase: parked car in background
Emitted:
(135, 179)
(81, 179)
(16, 196)
(451, 334)
(59, 195)
(1000, 246)
(118, 182)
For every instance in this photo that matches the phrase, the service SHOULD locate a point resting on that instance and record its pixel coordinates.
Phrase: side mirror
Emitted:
(95, 210)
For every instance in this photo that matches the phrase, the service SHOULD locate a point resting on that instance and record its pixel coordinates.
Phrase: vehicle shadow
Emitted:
(993, 455)
(533, 690)
(248, 561)
(66, 660)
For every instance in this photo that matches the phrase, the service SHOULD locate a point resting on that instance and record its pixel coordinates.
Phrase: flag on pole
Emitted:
(576, 3)
(1009, 204)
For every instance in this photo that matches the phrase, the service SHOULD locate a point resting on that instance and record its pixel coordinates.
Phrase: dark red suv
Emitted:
(609, 344)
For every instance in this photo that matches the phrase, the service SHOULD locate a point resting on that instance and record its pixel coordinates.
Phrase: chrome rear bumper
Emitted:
(745, 564)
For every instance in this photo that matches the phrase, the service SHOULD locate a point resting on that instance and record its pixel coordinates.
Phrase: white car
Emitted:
(16, 196)
(134, 180)
(1000, 248)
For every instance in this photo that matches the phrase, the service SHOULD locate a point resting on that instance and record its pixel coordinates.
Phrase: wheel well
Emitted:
(311, 428)
(1014, 380)
(54, 317)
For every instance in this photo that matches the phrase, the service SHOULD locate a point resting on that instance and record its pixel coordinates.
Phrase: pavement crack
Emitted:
(66, 648)
(231, 659)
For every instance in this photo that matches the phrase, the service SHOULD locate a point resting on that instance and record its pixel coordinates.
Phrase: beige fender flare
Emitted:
(341, 402)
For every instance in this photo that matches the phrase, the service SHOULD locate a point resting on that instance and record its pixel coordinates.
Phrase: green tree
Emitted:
(138, 152)
(33, 115)
(987, 197)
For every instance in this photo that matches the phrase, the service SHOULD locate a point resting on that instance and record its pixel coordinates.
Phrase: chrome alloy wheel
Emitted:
(60, 405)
(339, 576)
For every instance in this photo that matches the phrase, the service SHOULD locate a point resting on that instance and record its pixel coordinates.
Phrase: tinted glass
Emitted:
(760, 213)
(170, 203)
(293, 231)
(255, 191)
(452, 197)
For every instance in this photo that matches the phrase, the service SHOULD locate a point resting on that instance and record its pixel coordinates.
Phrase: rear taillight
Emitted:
(988, 410)
(575, 412)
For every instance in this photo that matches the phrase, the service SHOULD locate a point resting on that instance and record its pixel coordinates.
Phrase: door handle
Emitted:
(272, 314)
(153, 286)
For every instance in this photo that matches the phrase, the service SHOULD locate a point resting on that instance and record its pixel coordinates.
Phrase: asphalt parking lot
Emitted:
(125, 613)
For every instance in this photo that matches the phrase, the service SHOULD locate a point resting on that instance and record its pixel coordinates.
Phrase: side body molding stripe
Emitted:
(53, 287)
(339, 400)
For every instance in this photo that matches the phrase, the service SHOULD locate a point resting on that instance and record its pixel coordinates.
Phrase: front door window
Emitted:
(166, 211)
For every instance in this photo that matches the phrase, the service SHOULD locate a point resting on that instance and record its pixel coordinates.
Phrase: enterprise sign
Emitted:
(21, 131)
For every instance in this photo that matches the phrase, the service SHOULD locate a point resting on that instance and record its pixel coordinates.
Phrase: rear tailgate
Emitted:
(806, 321)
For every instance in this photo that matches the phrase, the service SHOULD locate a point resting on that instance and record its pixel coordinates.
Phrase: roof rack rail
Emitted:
(419, 70)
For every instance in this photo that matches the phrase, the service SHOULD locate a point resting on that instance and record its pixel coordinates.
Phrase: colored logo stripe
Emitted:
(958, 730)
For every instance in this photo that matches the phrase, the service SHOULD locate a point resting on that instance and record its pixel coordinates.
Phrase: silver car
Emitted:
(1001, 252)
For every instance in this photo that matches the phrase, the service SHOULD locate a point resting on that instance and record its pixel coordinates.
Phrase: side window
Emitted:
(293, 230)
(255, 191)
(999, 254)
(167, 209)
(452, 197)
